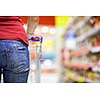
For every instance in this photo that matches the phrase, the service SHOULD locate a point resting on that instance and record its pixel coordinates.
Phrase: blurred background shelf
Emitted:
(86, 51)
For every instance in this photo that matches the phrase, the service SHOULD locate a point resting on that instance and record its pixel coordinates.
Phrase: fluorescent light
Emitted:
(52, 31)
(45, 29)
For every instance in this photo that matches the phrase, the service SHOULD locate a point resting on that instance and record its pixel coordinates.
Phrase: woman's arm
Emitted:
(32, 24)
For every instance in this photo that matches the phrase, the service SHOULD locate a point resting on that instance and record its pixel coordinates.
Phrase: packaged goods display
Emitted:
(82, 62)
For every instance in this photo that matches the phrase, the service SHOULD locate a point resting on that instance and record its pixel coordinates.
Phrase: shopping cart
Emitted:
(37, 42)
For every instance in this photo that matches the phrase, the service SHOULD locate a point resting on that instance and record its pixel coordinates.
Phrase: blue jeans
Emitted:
(14, 61)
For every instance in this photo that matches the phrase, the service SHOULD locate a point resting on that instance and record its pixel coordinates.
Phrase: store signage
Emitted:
(62, 21)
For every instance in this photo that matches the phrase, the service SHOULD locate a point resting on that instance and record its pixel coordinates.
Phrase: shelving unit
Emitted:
(80, 61)
(88, 34)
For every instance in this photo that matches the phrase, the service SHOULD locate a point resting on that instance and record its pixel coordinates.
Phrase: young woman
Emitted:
(14, 54)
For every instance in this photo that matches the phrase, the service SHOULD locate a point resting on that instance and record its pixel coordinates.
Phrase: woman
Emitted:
(14, 54)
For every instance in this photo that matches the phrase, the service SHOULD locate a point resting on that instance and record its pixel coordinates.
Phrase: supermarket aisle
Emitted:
(48, 65)
(82, 41)
(79, 57)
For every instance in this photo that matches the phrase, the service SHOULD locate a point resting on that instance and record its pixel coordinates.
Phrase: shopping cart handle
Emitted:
(36, 39)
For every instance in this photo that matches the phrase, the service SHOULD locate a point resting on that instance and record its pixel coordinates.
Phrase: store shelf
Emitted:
(85, 51)
(95, 49)
(92, 32)
(80, 66)
(80, 52)
(87, 44)
(81, 24)
(71, 22)
(75, 76)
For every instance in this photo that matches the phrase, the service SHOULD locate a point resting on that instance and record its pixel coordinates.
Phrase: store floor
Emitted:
(46, 78)
(47, 75)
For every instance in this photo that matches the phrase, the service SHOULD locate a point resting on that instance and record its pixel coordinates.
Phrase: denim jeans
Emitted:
(14, 61)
